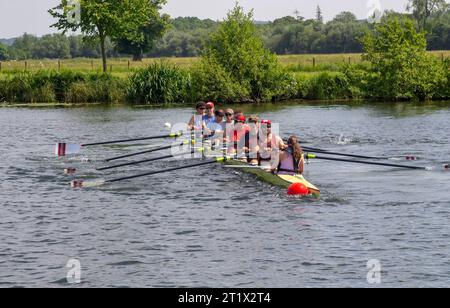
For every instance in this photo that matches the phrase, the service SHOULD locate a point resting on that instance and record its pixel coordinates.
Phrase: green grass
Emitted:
(122, 67)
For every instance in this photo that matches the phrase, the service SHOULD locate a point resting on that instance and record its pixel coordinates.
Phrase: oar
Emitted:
(72, 170)
(63, 149)
(81, 184)
(319, 151)
(187, 142)
(141, 161)
(151, 159)
(311, 156)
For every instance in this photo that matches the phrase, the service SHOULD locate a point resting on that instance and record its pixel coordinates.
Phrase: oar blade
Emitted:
(83, 184)
(64, 149)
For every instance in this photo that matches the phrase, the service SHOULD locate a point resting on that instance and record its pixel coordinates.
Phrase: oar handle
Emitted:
(312, 150)
(311, 156)
(147, 151)
(144, 161)
(174, 135)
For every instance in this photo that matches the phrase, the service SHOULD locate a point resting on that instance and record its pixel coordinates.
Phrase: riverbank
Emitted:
(174, 82)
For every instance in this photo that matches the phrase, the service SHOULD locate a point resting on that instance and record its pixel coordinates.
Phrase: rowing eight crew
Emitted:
(252, 141)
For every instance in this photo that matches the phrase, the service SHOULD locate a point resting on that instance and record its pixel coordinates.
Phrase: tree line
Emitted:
(235, 67)
(187, 36)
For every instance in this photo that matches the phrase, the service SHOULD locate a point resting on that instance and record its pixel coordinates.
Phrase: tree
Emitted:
(153, 30)
(319, 16)
(100, 19)
(52, 46)
(236, 65)
(400, 65)
(3, 52)
(423, 9)
(24, 46)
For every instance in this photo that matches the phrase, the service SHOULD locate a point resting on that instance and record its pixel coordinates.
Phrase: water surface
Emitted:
(215, 227)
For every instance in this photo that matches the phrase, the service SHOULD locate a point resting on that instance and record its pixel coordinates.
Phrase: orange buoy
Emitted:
(298, 189)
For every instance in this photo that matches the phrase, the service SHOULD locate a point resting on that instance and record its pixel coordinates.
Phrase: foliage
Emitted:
(401, 68)
(3, 53)
(187, 36)
(237, 53)
(66, 86)
(422, 10)
(326, 86)
(160, 83)
(101, 19)
(219, 86)
(154, 29)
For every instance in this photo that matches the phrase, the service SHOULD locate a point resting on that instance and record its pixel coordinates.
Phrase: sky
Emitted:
(30, 16)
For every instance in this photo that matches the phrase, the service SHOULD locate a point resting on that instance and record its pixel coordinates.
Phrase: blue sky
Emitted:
(20, 16)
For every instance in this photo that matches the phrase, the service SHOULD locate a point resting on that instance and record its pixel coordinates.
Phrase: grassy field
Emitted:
(123, 66)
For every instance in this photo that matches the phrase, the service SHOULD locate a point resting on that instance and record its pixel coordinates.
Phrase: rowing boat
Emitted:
(279, 180)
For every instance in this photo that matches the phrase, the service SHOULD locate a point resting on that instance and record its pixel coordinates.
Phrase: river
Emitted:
(217, 227)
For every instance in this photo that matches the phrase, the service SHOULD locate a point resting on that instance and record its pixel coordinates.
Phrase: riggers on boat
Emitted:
(279, 180)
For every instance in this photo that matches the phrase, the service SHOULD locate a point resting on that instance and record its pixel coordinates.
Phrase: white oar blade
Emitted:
(69, 171)
(63, 149)
(82, 184)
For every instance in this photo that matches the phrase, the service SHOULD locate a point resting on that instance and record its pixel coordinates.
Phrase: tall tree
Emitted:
(423, 9)
(100, 19)
(3, 52)
(153, 30)
(319, 16)
(235, 62)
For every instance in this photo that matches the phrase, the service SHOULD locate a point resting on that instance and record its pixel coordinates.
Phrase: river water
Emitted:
(217, 227)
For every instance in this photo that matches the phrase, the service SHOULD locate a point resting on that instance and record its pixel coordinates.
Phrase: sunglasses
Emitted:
(229, 114)
(202, 108)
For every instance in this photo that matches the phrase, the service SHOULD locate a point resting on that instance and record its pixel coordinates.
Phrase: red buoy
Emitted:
(298, 189)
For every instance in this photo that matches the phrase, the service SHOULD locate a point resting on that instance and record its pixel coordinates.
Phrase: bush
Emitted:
(80, 92)
(401, 68)
(325, 86)
(18, 88)
(66, 86)
(160, 84)
(43, 94)
(212, 82)
(236, 66)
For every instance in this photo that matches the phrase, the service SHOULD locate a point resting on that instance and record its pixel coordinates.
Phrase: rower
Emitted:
(215, 130)
(229, 124)
(269, 146)
(209, 117)
(292, 160)
(237, 114)
(236, 134)
(197, 120)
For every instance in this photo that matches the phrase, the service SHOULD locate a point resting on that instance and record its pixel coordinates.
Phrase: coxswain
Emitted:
(292, 160)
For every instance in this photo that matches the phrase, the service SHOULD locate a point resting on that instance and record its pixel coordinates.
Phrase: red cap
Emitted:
(240, 119)
(210, 104)
(268, 122)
